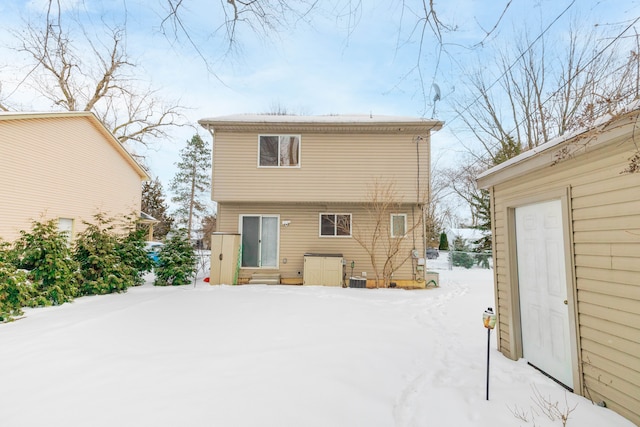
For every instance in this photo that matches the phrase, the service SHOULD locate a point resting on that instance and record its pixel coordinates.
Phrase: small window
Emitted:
(335, 225)
(279, 151)
(65, 225)
(398, 225)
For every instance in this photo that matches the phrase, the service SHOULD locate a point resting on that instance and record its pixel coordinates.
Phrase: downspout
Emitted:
(421, 206)
(213, 143)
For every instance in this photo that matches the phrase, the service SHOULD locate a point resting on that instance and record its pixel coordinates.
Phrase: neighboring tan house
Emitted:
(296, 185)
(65, 166)
(566, 234)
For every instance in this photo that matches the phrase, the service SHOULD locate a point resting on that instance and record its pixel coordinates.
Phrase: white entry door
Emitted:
(544, 313)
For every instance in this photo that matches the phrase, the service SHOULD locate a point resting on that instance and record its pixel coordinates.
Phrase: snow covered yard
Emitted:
(273, 356)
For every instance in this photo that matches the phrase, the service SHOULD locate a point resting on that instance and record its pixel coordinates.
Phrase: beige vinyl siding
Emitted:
(302, 236)
(61, 167)
(333, 168)
(605, 212)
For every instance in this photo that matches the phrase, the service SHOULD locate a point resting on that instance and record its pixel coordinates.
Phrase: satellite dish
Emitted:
(436, 98)
(436, 90)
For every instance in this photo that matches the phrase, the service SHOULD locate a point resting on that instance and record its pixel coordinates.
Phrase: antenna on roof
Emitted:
(370, 114)
(436, 97)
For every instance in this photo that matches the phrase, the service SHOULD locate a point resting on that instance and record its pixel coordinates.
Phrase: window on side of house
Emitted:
(398, 225)
(65, 225)
(279, 151)
(335, 225)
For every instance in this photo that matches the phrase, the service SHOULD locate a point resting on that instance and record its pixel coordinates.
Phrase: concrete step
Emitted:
(265, 279)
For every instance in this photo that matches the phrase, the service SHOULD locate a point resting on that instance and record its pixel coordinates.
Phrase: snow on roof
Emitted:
(331, 119)
(635, 105)
(468, 233)
(41, 114)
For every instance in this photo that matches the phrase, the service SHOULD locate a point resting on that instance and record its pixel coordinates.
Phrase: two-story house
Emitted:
(292, 186)
(64, 166)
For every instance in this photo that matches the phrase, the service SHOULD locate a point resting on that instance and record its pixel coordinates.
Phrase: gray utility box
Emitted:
(322, 269)
(357, 282)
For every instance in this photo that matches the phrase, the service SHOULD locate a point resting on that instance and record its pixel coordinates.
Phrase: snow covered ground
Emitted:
(274, 356)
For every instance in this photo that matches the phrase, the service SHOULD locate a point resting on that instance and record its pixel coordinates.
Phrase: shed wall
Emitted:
(605, 223)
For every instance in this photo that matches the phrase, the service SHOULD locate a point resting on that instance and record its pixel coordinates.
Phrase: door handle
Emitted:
(565, 301)
(220, 258)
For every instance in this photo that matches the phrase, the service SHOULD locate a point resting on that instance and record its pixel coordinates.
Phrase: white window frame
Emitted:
(280, 138)
(67, 225)
(391, 229)
(277, 253)
(335, 230)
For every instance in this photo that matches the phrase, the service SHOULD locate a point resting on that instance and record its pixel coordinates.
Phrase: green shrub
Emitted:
(177, 261)
(14, 290)
(45, 255)
(462, 259)
(131, 251)
(482, 259)
(444, 242)
(102, 270)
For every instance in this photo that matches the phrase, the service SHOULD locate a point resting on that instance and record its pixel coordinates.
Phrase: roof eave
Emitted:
(115, 143)
(605, 131)
(388, 126)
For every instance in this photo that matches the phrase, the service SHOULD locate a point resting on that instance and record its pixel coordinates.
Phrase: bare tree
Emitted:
(382, 244)
(462, 181)
(441, 209)
(94, 73)
(538, 95)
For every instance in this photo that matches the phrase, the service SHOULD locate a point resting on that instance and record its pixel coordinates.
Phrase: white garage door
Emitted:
(544, 313)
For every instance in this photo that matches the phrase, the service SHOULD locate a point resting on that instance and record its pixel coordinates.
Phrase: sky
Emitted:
(271, 355)
(369, 61)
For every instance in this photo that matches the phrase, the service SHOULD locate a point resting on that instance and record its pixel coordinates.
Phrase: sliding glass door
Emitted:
(259, 241)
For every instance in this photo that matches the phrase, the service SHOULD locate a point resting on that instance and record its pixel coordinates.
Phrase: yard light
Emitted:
(489, 320)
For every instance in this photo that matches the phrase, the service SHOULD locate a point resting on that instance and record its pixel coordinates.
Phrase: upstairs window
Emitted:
(398, 225)
(335, 225)
(279, 151)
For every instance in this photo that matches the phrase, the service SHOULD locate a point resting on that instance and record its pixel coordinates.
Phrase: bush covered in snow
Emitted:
(109, 262)
(13, 286)
(40, 268)
(44, 254)
(131, 250)
(176, 261)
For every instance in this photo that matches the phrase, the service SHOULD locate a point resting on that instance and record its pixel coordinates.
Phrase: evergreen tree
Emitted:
(102, 270)
(177, 261)
(481, 205)
(45, 255)
(192, 182)
(444, 242)
(153, 203)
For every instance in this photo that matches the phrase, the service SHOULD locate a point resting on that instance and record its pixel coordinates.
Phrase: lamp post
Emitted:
(489, 320)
